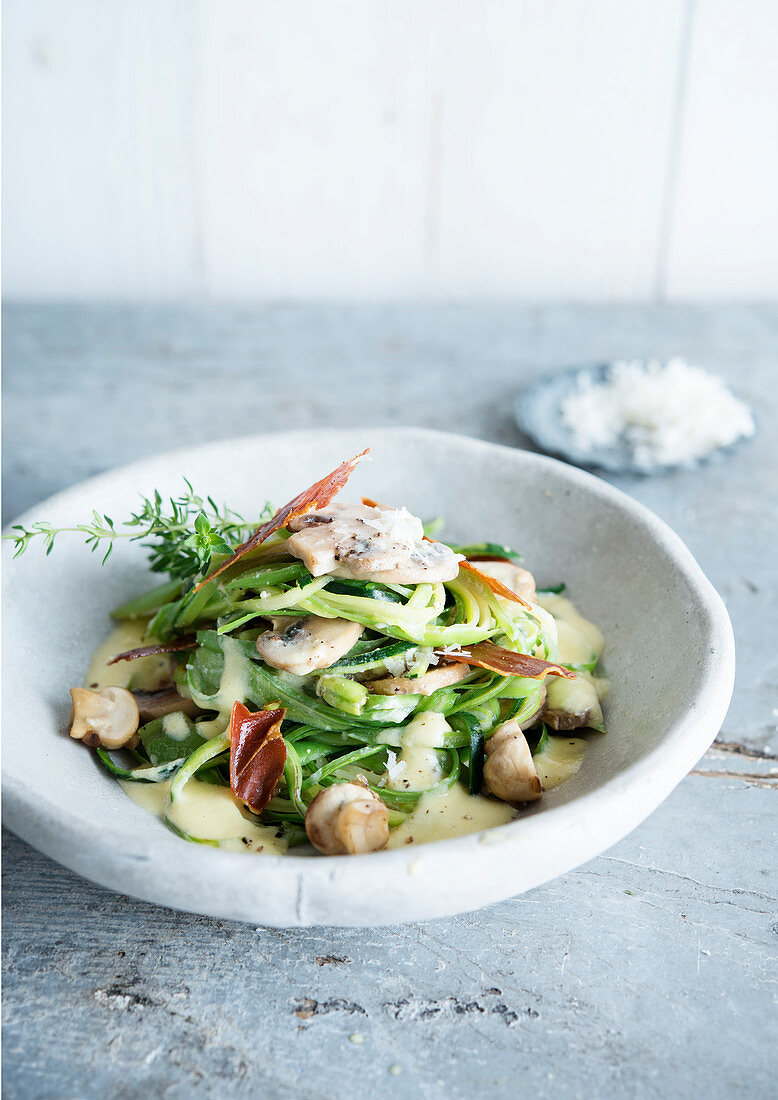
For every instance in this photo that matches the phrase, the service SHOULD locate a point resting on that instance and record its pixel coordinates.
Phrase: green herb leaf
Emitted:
(183, 533)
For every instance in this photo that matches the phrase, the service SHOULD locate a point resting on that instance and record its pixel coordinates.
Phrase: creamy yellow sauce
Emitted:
(175, 726)
(417, 766)
(454, 813)
(441, 814)
(208, 812)
(144, 673)
(232, 685)
(560, 761)
(422, 769)
(580, 640)
(202, 810)
(601, 684)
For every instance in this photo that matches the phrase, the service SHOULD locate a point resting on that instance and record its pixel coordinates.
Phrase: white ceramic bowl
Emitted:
(670, 657)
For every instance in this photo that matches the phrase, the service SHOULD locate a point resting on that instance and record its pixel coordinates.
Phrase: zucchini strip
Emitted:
(149, 602)
(403, 799)
(293, 774)
(147, 774)
(341, 762)
(195, 761)
(188, 836)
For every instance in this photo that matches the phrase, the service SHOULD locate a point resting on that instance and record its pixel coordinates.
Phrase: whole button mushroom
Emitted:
(509, 771)
(347, 818)
(108, 717)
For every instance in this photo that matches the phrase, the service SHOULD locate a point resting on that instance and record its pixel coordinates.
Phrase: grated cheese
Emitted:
(665, 413)
(396, 666)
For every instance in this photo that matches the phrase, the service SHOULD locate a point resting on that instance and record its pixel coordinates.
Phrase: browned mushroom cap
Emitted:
(369, 543)
(347, 818)
(156, 704)
(509, 771)
(108, 717)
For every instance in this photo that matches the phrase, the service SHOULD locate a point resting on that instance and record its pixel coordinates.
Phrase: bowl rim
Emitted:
(313, 889)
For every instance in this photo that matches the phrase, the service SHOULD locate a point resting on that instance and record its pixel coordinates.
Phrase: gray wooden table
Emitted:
(650, 972)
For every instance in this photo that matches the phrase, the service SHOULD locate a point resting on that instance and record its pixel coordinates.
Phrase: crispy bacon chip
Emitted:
(187, 642)
(506, 662)
(496, 586)
(257, 754)
(318, 496)
(370, 503)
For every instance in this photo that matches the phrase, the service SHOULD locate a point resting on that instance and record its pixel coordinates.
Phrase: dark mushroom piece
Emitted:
(573, 704)
(166, 700)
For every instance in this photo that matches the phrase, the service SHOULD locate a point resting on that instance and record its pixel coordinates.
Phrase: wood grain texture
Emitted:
(555, 132)
(648, 973)
(314, 127)
(724, 228)
(100, 198)
(180, 148)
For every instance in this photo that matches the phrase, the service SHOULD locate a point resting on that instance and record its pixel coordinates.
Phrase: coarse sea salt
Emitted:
(667, 414)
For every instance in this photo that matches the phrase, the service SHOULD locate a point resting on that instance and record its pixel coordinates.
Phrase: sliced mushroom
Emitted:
(347, 818)
(108, 717)
(509, 772)
(156, 704)
(512, 576)
(308, 643)
(441, 677)
(367, 542)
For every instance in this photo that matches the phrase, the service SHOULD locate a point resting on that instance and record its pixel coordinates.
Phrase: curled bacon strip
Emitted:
(506, 662)
(188, 642)
(496, 586)
(257, 754)
(318, 496)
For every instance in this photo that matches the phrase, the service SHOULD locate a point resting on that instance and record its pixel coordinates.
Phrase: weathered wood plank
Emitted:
(251, 147)
(724, 223)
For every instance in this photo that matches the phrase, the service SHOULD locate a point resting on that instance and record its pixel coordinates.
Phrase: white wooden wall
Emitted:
(541, 149)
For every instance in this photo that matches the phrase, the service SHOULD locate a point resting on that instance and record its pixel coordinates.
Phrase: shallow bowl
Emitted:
(669, 655)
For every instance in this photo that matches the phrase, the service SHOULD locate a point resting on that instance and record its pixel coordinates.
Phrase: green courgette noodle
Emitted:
(343, 731)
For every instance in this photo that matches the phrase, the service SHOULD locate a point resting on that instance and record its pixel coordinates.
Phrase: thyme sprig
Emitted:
(185, 531)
